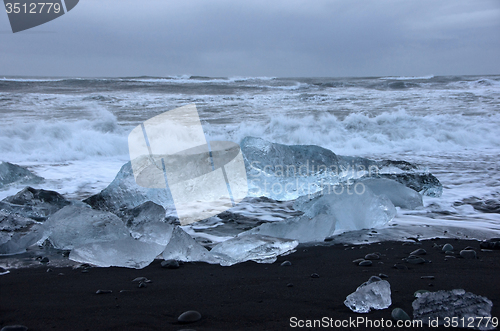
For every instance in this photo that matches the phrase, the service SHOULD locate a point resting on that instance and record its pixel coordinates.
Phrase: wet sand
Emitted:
(247, 296)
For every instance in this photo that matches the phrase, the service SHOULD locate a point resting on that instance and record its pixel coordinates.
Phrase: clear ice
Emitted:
(332, 212)
(14, 174)
(182, 247)
(373, 294)
(127, 252)
(400, 195)
(18, 233)
(76, 225)
(251, 247)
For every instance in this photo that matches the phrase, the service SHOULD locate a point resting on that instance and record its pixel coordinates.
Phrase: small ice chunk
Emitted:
(147, 212)
(373, 294)
(12, 173)
(126, 252)
(474, 309)
(76, 225)
(400, 195)
(251, 247)
(182, 247)
(18, 233)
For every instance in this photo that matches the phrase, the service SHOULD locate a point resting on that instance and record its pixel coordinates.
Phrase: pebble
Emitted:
(289, 285)
(286, 264)
(314, 275)
(357, 261)
(383, 276)
(427, 277)
(142, 280)
(189, 316)
(399, 314)
(14, 328)
(44, 260)
(142, 284)
(365, 263)
(415, 259)
(49, 270)
(400, 266)
(447, 247)
(170, 264)
(468, 254)
(103, 291)
(372, 256)
(419, 251)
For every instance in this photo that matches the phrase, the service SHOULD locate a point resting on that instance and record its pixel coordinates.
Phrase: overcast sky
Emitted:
(277, 38)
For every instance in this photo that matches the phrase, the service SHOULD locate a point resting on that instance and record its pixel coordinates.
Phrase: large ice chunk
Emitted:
(18, 233)
(474, 309)
(34, 203)
(124, 193)
(126, 252)
(182, 247)
(334, 210)
(284, 172)
(373, 294)
(261, 249)
(424, 183)
(12, 173)
(76, 225)
(400, 195)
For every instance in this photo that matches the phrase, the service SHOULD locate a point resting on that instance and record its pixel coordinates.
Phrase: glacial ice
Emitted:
(18, 233)
(400, 195)
(251, 247)
(424, 183)
(76, 225)
(125, 252)
(124, 193)
(182, 247)
(33, 203)
(457, 303)
(12, 173)
(331, 212)
(373, 294)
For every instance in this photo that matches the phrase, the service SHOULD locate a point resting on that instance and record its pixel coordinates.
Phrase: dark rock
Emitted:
(372, 256)
(357, 261)
(170, 264)
(415, 259)
(447, 247)
(365, 263)
(468, 254)
(289, 285)
(286, 264)
(399, 314)
(103, 291)
(314, 275)
(383, 276)
(419, 251)
(189, 316)
(14, 328)
(400, 266)
(427, 277)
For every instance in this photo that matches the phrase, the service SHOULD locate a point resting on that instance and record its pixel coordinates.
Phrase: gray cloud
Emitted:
(259, 38)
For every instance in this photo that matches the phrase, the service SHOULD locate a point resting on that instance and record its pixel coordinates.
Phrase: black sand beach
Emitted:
(247, 296)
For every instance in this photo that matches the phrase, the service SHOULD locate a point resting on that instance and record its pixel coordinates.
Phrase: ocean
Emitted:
(73, 132)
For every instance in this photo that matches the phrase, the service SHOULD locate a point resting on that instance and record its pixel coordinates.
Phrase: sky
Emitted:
(273, 38)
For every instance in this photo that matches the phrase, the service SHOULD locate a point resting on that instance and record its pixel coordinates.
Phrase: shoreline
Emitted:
(246, 296)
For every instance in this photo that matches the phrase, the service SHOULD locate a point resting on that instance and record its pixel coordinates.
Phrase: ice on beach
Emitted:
(182, 247)
(457, 304)
(373, 294)
(18, 233)
(332, 212)
(126, 252)
(33, 203)
(400, 195)
(124, 193)
(285, 172)
(251, 247)
(147, 212)
(12, 173)
(76, 225)
(424, 183)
